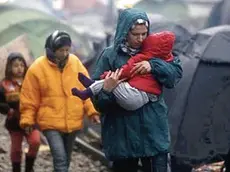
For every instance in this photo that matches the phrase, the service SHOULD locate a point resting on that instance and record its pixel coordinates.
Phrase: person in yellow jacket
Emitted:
(46, 98)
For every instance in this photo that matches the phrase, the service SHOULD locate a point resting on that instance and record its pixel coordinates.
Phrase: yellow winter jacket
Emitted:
(46, 96)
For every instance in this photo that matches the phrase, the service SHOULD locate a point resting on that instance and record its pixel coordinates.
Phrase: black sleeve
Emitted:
(4, 107)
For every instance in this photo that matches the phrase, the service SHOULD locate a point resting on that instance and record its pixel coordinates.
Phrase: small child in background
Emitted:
(10, 86)
(139, 89)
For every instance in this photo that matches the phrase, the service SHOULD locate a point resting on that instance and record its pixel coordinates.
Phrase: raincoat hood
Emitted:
(125, 21)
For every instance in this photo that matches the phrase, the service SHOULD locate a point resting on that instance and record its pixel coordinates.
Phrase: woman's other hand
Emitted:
(142, 68)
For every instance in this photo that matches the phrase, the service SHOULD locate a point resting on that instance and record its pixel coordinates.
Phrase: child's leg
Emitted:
(97, 86)
(90, 91)
(33, 140)
(86, 82)
(16, 149)
(129, 97)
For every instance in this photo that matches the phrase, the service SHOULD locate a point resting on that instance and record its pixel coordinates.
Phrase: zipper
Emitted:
(142, 129)
(65, 99)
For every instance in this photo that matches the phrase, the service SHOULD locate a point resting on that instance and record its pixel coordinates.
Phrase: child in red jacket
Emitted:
(138, 89)
(9, 104)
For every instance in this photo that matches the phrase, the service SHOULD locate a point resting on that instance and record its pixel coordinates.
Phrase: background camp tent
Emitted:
(16, 21)
(220, 14)
(20, 44)
(199, 105)
(166, 8)
(182, 34)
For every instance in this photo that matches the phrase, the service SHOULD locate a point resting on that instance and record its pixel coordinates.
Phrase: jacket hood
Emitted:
(158, 44)
(125, 21)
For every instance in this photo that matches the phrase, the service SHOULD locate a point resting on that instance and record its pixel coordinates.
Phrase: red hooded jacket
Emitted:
(156, 45)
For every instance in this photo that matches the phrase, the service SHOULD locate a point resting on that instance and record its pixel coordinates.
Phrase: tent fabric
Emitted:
(183, 36)
(211, 44)
(172, 10)
(17, 21)
(20, 44)
(199, 105)
(219, 15)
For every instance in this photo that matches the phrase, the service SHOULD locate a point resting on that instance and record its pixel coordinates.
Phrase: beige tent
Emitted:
(20, 44)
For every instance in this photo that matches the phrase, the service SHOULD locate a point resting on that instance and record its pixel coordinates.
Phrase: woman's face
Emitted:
(137, 35)
(18, 68)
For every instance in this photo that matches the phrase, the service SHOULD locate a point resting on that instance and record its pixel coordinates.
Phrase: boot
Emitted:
(29, 164)
(16, 167)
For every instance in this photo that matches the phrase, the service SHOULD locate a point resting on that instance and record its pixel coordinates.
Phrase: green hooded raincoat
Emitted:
(140, 133)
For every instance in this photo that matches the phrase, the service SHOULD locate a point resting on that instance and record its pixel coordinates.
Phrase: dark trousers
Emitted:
(227, 162)
(157, 163)
(177, 166)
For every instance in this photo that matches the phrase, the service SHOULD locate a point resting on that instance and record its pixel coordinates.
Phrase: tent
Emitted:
(182, 34)
(16, 21)
(171, 9)
(20, 44)
(219, 15)
(199, 105)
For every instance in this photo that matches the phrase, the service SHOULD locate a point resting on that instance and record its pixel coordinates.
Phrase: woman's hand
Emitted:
(112, 80)
(143, 67)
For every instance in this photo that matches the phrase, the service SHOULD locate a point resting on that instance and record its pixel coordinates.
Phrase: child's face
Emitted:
(18, 68)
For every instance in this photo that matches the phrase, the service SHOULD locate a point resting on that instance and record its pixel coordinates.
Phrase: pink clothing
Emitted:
(33, 140)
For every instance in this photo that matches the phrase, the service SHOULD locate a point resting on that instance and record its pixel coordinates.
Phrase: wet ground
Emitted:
(80, 162)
